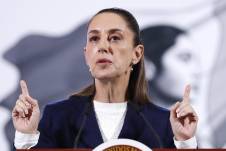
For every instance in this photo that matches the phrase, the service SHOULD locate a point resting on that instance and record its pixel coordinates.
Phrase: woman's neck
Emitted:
(111, 91)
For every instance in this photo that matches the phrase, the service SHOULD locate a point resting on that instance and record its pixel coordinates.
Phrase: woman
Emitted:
(116, 105)
(174, 61)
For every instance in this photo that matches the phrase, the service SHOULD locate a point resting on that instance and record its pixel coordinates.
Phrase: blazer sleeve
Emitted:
(46, 139)
(168, 139)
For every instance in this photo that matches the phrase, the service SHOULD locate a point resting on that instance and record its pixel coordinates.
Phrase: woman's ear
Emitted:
(138, 52)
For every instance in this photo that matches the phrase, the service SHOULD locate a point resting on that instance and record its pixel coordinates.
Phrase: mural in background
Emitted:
(54, 68)
(174, 62)
(216, 101)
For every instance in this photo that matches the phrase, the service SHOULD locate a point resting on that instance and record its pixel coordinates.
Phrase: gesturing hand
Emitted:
(26, 112)
(183, 118)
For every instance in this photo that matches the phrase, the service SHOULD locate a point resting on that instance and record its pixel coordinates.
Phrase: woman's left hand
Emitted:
(183, 118)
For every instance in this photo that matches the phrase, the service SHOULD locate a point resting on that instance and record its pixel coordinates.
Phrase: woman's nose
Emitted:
(197, 74)
(102, 50)
(104, 47)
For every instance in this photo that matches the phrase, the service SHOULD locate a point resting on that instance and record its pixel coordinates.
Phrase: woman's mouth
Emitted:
(104, 61)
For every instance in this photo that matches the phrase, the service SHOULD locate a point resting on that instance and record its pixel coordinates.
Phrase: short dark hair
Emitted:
(157, 40)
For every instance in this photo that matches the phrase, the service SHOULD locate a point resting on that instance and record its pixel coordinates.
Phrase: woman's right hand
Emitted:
(26, 112)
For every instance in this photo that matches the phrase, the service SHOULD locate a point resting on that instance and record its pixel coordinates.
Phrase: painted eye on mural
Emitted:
(185, 57)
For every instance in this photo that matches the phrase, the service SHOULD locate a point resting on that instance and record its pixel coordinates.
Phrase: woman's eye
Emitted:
(114, 38)
(93, 38)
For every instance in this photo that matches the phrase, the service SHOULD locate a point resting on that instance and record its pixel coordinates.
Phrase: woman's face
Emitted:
(180, 66)
(109, 50)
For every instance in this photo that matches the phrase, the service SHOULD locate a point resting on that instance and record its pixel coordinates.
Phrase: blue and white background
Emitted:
(42, 42)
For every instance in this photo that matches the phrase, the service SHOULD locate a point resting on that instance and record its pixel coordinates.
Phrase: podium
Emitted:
(54, 149)
(165, 149)
(118, 145)
(112, 145)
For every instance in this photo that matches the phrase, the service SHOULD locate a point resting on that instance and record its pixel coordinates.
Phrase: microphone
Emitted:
(150, 127)
(86, 112)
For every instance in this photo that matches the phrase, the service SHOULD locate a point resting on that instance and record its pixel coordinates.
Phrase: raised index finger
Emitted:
(24, 88)
(187, 93)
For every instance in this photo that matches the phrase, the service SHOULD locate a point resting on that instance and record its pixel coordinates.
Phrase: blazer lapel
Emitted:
(91, 132)
(131, 127)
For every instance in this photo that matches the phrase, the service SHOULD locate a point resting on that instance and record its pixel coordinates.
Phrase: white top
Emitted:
(110, 117)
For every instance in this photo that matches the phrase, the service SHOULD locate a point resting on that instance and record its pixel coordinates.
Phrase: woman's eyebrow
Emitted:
(94, 31)
(110, 31)
(115, 30)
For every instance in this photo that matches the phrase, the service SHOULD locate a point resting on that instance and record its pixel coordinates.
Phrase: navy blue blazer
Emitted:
(62, 120)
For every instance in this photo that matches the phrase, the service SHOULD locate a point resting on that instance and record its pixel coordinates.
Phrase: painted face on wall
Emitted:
(180, 66)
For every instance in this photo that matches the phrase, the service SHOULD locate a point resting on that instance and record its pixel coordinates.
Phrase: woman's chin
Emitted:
(102, 76)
